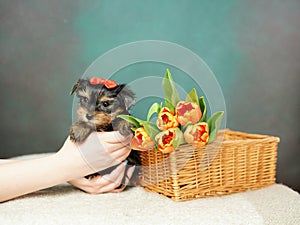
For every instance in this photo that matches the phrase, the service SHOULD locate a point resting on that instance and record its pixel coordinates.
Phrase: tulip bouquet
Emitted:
(178, 122)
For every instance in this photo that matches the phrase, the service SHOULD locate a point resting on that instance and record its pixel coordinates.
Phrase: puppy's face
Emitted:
(99, 105)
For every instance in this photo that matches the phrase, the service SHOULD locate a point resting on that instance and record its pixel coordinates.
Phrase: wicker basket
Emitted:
(235, 162)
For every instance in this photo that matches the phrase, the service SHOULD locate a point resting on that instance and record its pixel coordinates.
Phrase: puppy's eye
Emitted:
(105, 104)
(84, 99)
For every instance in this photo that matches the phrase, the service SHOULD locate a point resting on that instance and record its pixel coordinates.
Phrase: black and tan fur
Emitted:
(98, 110)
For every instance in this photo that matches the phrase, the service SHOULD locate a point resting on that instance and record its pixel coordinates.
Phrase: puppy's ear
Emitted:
(127, 96)
(74, 88)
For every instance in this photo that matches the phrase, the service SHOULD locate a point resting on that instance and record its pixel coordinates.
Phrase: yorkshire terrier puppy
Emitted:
(101, 101)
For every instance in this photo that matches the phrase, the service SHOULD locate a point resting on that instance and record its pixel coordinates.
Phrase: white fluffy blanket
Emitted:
(64, 204)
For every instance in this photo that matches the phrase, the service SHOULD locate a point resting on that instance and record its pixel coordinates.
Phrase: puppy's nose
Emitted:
(89, 116)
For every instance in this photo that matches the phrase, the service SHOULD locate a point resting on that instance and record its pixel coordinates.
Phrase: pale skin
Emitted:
(20, 177)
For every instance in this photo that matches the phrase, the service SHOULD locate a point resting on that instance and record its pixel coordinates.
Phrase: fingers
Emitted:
(104, 149)
(130, 172)
(121, 154)
(107, 183)
(111, 185)
(128, 175)
(113, 180)
(115, 176)
(114, 137)
(81, 183)
(115, 188)
(116, 157)
(116, 147)
(90, 186)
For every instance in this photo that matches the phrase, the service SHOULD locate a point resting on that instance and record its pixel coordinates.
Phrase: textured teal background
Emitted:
(253, 47)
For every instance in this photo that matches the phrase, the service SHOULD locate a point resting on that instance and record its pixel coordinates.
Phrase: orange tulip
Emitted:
(188, 112)
(141, 140)
(167, 140)
(197, 134)
(166, 119)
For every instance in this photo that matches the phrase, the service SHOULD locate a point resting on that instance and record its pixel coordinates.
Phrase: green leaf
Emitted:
(214, 124)
(133, 129)
(169, 105)
(150, 128)
(203, 108)
(171, 93)
(155, 108)
(179, 139)
(192, 96)
(135, 121)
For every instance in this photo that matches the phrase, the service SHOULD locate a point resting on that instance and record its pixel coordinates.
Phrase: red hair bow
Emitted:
(109, 84)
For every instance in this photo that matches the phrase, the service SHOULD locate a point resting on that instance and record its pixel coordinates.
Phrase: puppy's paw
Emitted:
(124, 128)
(78, 132)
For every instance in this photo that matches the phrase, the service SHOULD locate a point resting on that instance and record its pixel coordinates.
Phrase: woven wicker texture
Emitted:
(235, 162)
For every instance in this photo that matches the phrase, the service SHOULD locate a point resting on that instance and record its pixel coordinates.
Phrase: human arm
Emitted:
(69, 163)
(98, 184)
(5, 161)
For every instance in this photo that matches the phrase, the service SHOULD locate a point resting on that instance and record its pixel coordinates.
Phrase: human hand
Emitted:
(98, 152)
(106, 183)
